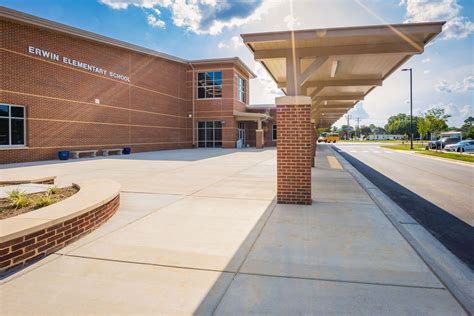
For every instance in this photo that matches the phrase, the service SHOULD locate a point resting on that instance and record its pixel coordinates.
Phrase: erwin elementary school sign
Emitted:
(75, 63)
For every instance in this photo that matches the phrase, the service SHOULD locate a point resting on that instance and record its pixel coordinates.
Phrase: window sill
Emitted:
(13, 147)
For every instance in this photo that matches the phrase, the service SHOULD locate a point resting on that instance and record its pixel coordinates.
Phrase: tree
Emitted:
(468, 127)
(400, 124)
(436, 120)
(365, 130)
(422, 127)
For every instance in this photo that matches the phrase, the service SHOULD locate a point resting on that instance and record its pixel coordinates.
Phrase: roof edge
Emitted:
(63, 28)
(225, 60)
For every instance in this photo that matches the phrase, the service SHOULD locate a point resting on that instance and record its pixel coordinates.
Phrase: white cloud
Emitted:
(456, 27)
(155, 22)
(234, 42)
(426, 61)
(358, 111)
(465, 85)
(202, 16)
(263, 88)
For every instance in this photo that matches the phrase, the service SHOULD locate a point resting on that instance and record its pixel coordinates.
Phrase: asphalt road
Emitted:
(439, 194)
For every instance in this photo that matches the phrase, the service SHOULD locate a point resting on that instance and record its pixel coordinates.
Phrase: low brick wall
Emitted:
(22, 250)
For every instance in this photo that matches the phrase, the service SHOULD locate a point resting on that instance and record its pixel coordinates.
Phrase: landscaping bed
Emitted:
(19, 203)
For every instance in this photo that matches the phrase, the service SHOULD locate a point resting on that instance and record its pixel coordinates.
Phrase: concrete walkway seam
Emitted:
(457, 277)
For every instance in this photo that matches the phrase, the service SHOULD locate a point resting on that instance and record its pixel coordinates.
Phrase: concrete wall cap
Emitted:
(92, 194)
(293, 100)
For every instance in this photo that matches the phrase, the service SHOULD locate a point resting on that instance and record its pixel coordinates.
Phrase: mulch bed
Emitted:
(8, 210)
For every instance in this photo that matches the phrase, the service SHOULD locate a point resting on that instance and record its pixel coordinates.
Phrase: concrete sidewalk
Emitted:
(203, 235)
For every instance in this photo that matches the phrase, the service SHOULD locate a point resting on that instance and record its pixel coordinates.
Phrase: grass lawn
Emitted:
(420, 149)
(399, 146)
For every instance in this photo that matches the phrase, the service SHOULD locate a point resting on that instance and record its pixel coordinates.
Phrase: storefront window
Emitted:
(209, 85)
(12, 125)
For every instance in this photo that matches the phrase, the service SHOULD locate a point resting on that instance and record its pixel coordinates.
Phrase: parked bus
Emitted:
(328, 138)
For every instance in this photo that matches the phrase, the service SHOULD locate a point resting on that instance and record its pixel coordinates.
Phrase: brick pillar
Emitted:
(313, 143)
(294, 150)
(259, 141)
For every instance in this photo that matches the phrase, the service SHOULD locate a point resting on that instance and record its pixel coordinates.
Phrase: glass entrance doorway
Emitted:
(241, 132)
(210, 134)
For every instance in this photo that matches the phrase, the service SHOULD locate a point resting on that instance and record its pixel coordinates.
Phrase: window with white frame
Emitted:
(209, 85)
(241, 89)
(12, 125)
(274, 132)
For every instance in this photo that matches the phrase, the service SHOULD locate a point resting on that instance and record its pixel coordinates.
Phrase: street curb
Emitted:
(454, 274)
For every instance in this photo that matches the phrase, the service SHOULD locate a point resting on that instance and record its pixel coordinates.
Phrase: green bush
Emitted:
(18, 198)
(44, 200)
(53, 190)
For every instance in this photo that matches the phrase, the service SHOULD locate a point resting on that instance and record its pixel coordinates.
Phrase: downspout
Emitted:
(194, 108)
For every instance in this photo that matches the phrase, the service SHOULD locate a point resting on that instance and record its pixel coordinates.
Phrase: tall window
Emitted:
(210, 85)
(12, 125)
(241, 89)
(274, 132)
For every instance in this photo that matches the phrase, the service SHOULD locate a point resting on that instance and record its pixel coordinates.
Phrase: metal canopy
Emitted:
(338, 67)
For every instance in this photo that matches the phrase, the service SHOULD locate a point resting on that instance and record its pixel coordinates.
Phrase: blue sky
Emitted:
(443, 74)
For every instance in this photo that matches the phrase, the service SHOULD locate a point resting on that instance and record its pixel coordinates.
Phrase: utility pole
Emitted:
(348, 117)
(411, 105)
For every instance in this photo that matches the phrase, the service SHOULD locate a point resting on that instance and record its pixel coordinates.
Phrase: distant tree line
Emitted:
(428, 125)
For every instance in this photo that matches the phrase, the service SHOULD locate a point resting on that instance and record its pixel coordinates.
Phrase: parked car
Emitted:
(434, 144)
(462, 146)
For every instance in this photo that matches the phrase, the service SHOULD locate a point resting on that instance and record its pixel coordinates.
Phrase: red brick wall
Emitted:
(219, 109)
(24, 249)
(294, 154)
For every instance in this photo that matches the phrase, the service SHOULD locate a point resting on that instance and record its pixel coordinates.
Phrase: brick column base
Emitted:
(259, 141)
(294, 150)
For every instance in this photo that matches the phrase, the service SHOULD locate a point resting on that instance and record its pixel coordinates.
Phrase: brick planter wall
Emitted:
(22, 250)
(294, 154)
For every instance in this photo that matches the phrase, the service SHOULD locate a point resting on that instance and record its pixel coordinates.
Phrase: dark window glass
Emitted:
(17, 111)
(217, 91)
(201, 77)
(209, 92)
(217, 124)
(218, 134)
(218, 78)
(201, 93)
(4, 110)
(201, 124)
(209, 78)
(210, 134)
(211, 85)
(274, 132)
(18, 135)
(4, 131)
(202, 144)
(218, 144)
(210, 124)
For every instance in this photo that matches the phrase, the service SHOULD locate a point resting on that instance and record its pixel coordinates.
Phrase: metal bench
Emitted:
(75, 154)
(106, 152)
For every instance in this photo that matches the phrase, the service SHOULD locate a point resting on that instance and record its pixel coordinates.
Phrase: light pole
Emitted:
(411, 105)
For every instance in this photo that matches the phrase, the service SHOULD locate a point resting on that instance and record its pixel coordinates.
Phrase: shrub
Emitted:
(53, 190)
(44, 200)
(18, 198)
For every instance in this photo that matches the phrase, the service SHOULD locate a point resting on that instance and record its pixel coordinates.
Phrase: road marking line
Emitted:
(353, 151)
